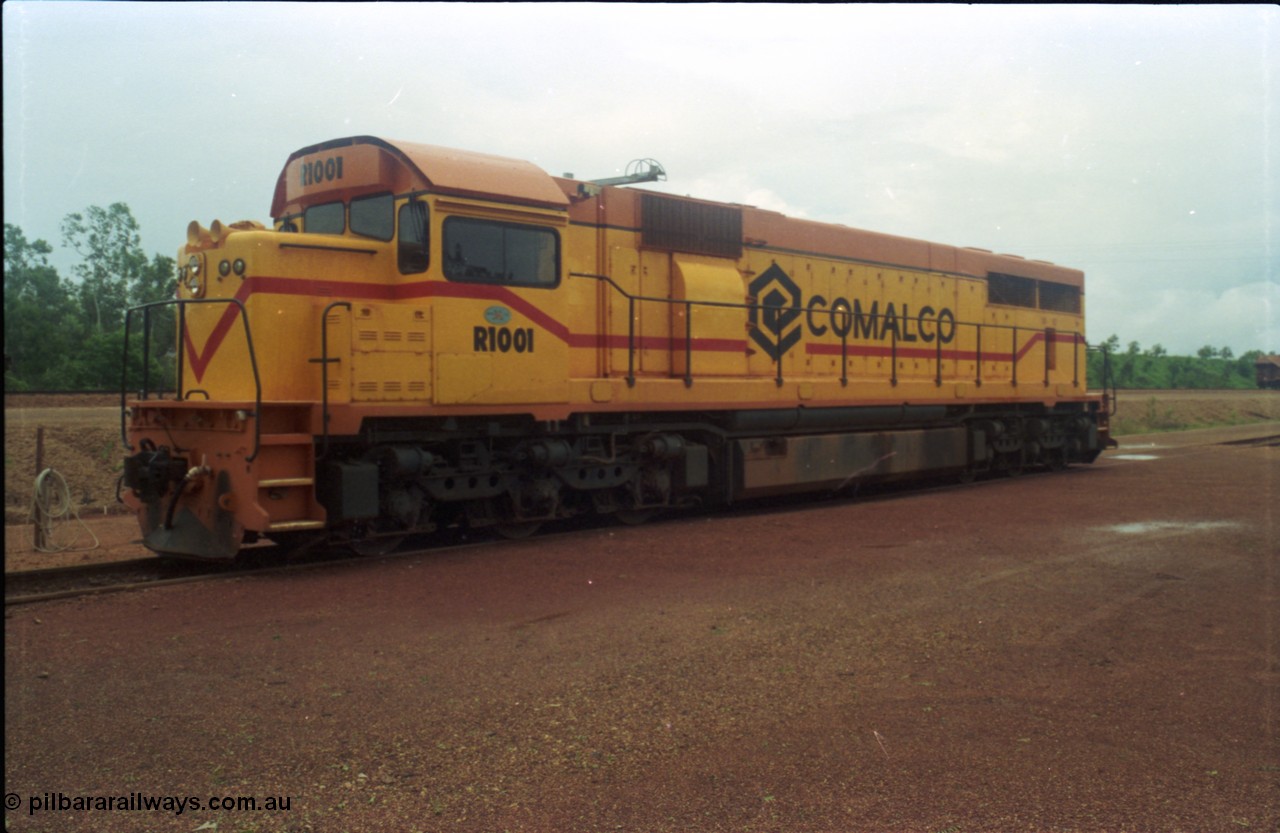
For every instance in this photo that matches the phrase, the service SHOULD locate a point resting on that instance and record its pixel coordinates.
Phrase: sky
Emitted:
(1138, 143)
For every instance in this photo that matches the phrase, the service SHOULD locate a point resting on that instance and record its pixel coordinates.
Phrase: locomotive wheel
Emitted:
(376, 546)
(379, 539)
(634, 517)
(516, 530)
(298, 543)
(1011, 465)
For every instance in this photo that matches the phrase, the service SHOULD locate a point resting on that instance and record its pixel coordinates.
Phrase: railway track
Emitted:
(1270, 440)
(30, 586)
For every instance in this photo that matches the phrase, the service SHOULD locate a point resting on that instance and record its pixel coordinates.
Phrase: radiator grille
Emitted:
(690, 226)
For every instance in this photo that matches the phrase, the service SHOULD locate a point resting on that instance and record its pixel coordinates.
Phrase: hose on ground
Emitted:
(56, 525)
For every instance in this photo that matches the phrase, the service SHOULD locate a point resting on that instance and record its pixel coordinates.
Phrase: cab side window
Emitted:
(414, 237)
(486, 251)
(371, 216)
(327, 218)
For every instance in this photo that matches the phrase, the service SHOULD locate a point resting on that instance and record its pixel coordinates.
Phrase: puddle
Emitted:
(1146, 527)
(1133, 457)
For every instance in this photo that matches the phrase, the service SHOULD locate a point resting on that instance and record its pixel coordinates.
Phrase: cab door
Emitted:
(498, 319)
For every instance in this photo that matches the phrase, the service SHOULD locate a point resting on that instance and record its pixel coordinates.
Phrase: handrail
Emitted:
(844, 356)
(893, 358)
(1075, 360)
(688, 344)
(777, 340)
(937, 362)
(324, 361)
(978, 358)
(146, 351)
(1109, 377)
(182, 348)
(1109, 392)
(1048, 353)
(182, 303)
(1014, 353)
(632, 299)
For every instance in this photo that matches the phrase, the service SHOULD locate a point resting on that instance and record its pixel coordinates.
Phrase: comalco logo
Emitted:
(776, 313)
(780, 314)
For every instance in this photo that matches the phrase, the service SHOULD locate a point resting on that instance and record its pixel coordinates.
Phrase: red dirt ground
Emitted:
(1094, 650)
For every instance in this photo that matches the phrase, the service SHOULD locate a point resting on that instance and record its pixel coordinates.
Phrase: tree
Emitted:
(1126, 368)
(97, 365)
(157, 282)
(41, 320)
(68, 333)
(111, 247)
(1207, 352)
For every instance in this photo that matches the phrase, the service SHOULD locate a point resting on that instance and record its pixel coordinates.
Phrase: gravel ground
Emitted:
(1094, 650)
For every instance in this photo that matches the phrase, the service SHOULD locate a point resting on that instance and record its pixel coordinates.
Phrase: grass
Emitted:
(1154, 416)
(1152, 420)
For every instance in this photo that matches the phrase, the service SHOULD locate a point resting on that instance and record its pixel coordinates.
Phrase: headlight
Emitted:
(224, 268)
(194, 280)
(238, 266)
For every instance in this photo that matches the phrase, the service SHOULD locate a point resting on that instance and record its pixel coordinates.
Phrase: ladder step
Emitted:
(286, 481)
(294, 526)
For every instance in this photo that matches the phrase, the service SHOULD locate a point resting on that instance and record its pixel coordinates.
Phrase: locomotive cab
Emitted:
(293, 334)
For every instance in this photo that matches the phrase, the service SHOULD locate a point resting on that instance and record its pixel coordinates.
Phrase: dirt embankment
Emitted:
(1151, 411)
(81, 441)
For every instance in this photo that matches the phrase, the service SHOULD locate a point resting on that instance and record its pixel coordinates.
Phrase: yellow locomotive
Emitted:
(430, 337)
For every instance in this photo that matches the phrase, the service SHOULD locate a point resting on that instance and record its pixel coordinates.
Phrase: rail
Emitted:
(1050, 335)
(144, 392)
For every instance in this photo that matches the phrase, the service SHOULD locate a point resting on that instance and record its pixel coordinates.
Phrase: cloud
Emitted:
(1184, 320)
(1086, 135)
